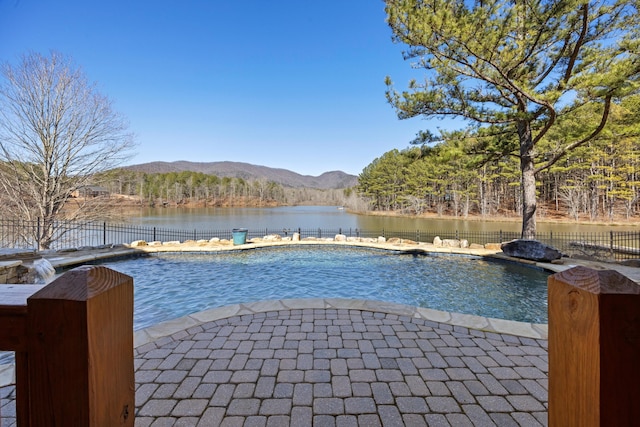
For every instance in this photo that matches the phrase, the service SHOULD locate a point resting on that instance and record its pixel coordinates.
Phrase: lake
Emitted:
(329, 217)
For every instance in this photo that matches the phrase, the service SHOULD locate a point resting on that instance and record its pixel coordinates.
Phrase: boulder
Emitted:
(340, 238)
(296, 237)
(138, 243)
(381, 239)
(437, 241)
(530, 249)
(272, 238)
(493, 246)
(451, 243)
(631, 262)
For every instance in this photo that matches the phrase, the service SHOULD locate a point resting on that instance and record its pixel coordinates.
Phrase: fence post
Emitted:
(38, 235)
(611, 243)
(104, 233)
(80, 349)
(594, 348)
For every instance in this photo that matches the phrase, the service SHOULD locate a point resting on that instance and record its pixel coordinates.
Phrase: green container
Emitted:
(239, 236)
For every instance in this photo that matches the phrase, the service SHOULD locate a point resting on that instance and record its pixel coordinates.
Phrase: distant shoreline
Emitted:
(126, 203)
(634, 222)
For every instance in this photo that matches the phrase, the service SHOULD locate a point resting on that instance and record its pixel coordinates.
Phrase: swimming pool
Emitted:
(171, 285)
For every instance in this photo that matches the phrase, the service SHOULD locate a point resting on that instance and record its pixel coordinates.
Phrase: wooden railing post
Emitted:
(80, 350)
(594, 349)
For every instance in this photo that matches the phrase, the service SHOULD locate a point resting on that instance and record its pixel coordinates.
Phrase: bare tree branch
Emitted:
(56, 133)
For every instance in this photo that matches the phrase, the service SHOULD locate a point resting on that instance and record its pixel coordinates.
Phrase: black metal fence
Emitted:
(610, 246)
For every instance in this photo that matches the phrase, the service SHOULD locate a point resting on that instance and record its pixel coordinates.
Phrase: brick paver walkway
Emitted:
(335, 367)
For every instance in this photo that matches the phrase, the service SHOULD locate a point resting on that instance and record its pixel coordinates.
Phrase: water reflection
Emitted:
(290, 218)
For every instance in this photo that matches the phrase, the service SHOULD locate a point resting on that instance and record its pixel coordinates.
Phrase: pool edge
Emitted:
(169, 328)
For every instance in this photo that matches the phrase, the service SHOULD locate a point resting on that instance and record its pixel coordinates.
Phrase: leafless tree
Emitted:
(56, 132)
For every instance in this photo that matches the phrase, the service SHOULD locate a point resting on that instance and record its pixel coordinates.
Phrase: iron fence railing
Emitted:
(609, 245)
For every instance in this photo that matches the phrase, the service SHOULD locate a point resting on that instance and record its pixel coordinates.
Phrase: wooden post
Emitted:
(80, 349)
(13, 337)
(594, 349)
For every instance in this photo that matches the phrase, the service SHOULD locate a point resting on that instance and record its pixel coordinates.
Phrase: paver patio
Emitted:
(336, 367)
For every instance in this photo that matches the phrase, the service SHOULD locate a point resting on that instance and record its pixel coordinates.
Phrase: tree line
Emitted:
(525, 75)
(196, 188)
(477, 172)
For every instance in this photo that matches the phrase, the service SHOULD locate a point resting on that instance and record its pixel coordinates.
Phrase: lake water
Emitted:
(329, 217)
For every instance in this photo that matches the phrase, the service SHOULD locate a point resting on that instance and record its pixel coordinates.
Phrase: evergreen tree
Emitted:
(518, 67)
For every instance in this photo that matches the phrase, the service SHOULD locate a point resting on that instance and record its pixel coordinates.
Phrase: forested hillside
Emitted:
(477, 173)
(249, 172)
(200, 189)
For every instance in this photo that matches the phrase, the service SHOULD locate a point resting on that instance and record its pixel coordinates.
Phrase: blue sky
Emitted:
(292, 84)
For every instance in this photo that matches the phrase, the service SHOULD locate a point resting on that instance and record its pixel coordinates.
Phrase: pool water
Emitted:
(171, 285)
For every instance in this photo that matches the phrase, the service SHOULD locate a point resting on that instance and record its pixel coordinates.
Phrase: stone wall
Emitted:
(10, 271)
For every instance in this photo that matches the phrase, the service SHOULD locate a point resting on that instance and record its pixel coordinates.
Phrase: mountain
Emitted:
(246, 171)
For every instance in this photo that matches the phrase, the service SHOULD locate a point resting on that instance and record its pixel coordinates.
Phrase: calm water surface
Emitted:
(325, 217)
(172, 285)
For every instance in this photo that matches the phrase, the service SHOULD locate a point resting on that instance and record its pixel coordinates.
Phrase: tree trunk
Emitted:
(528, 181)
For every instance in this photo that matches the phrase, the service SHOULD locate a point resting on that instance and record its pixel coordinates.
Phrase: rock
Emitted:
(493, 246)
(476, 246)
(631, 262)
(382, 239)
(340, 238)
(530, 249)
(214, 240)
(138, 243)
(450, 243)
(408, 242)
(394, 240)
(437, 241)
(272, 238)
(296, 237)
(464, 243)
